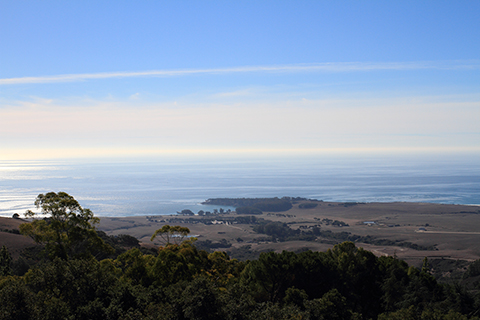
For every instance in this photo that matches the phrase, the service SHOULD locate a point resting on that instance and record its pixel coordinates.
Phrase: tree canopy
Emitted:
(180, 281)
(67, 231)
(171, 234)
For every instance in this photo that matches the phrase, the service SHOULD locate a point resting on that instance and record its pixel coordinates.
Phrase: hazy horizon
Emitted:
(165, 185)
(124, 79)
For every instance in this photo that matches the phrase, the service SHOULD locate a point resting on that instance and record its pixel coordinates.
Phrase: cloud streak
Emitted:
(319, 67)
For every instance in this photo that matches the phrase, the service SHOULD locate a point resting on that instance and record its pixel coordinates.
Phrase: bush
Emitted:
(248, 210)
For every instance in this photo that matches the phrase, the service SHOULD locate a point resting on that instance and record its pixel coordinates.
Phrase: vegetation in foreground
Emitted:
(81, 275)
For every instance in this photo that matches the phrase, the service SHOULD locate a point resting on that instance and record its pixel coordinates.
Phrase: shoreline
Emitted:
(453, 228)
(450, 229)
(216, 206)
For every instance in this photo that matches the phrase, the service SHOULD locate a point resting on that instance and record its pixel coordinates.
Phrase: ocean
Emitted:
(166, 185)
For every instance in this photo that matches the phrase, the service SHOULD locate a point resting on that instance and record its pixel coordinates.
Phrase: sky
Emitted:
(86, 79)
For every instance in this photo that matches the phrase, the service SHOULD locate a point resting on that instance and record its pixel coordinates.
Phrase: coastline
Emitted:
(144, 187)
(453, 228)
(450, 229)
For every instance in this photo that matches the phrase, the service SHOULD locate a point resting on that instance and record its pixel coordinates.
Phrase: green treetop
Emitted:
(68, 231)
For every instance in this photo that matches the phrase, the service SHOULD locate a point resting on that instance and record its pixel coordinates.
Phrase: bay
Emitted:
(167, 185)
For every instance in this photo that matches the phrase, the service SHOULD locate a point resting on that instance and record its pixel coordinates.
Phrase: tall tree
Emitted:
(68, 231)
(171, 234)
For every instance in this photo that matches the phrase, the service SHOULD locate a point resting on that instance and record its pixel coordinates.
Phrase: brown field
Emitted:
(14, 242)
(453, 229)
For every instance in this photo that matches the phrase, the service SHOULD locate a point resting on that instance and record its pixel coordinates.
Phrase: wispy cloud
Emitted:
(318, 67)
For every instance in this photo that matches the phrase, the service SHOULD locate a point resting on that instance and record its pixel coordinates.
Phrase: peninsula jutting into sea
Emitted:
(239, 160)
(165, 186)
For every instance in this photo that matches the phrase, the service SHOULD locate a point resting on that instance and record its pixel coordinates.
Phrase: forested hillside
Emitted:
(181, 282)
(83, 274)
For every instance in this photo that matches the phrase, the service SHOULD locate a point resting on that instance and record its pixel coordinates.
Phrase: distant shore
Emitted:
(452, 230)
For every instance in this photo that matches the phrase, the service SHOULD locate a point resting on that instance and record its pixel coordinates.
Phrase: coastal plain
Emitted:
(436, 231)
(441, 231)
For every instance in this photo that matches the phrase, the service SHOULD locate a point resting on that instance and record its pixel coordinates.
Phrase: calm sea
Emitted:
(164, 186)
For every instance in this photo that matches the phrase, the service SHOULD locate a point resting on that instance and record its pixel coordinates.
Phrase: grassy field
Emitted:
(450, 231)
(453, 230)
(449, 235)
(10, 237)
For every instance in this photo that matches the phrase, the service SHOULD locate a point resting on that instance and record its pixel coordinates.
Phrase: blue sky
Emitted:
(120, 78)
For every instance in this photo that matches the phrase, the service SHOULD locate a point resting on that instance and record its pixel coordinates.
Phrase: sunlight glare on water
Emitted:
(160, 186)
